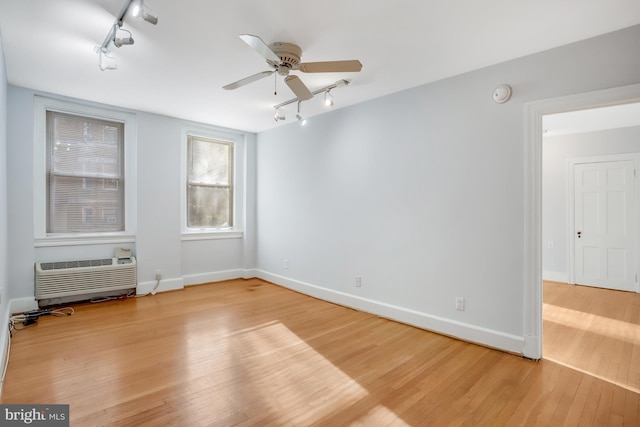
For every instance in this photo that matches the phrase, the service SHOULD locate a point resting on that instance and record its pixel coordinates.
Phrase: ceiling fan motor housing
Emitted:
(289, 55)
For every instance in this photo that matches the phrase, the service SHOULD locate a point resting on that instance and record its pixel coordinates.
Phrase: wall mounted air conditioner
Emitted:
(74, 280)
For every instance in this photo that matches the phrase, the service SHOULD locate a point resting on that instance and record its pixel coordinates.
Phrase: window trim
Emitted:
(237, 140)
(41, 237)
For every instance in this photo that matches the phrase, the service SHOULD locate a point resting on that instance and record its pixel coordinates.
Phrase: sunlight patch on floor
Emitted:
(624, 331)
(299, 373)
(279, 369)
(604, 329)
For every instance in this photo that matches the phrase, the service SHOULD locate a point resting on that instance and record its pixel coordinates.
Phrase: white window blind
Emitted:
(209, 183)
(85, 179)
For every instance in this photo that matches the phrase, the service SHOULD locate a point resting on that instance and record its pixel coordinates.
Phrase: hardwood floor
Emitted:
(246, 352)
(593, 330)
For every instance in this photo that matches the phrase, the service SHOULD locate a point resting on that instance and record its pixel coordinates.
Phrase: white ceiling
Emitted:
(592, 119)
(179, 66)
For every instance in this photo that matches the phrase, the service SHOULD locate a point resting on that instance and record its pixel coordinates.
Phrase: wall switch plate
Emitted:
(285, 264)
(460, 303)
(550, 244)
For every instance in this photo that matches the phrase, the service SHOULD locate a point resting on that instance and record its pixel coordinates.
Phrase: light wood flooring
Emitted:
(593, 330)
(247, 352)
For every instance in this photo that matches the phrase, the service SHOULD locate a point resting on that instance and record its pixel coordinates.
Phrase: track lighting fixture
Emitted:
(138, 9)
(279, 115)
(328, 98)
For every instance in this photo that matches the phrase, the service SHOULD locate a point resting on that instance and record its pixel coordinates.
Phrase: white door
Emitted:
(605, 224)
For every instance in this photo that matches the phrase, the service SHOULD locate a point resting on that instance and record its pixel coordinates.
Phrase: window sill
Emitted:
(211, 235)
(82, 240)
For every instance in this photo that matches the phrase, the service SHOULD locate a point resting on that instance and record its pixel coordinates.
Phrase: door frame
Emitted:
(635, 158)
(532, 192)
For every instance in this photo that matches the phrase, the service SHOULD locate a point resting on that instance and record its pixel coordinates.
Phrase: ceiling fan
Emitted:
(284, 57)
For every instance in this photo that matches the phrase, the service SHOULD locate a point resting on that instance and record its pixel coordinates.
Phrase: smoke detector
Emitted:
(502, 94)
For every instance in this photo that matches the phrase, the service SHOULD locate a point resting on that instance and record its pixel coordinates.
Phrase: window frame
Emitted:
(237, 141)
(41, 236)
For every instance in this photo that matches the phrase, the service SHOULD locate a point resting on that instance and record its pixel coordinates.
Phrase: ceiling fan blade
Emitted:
(247, 80)
(351, 66)
(260, 46)
(298, 88)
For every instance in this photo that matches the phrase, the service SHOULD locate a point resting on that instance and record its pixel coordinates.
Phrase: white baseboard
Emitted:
(555, 276)
(463, 331)
(165, 285)
(20, 305)
(216, 276)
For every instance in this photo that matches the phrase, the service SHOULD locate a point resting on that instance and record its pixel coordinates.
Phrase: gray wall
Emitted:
(557, 150)
(158, 238)
(420, 193)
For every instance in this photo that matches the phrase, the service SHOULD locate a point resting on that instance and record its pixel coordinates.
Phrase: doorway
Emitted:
(591, 328)
(534, 113)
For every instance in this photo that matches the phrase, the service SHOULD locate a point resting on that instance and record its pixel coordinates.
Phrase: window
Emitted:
(85, 182)
(209, 183)
(84, 189)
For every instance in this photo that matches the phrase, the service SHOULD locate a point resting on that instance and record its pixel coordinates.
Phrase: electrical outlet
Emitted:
(460, 303)
(158, 275)
(550, 244)
(358, 281)
(285, 264)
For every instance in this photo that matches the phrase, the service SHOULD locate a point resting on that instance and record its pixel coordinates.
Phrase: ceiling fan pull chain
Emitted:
(275, 84)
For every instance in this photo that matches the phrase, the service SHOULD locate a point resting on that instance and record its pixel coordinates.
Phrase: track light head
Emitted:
(328, 99)
(279, 115)
(140, 10)
(302, 120)
(119, 42)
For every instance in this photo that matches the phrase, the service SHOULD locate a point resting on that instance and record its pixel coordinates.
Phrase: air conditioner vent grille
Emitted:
(75, 264)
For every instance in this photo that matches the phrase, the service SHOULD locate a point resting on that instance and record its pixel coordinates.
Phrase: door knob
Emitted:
(579, 234)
